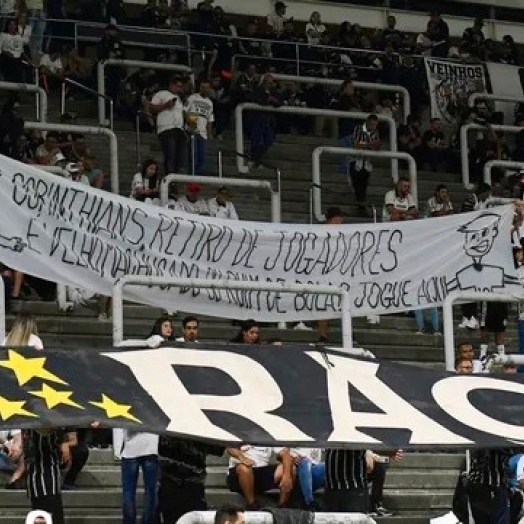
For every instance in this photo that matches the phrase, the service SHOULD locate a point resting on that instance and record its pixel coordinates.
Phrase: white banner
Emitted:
(450, 85)
(80, 236)
(506, 80)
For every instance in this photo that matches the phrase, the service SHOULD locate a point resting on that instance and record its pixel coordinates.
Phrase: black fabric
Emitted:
(264, 478)
(175, 499)
(79, 456)
(460, 499)
(52, 504)
(377, 478)
(346, 500)
(290, 516)
(496, 318)
(346, 469)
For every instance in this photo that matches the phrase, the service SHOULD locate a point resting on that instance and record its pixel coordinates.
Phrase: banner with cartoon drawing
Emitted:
(80, 236)
(450, 85)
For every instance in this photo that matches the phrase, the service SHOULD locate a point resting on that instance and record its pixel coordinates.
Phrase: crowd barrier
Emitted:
(41, 106)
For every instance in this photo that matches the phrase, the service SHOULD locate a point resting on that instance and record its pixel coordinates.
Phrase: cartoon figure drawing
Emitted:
(15, 244)
(480, 234)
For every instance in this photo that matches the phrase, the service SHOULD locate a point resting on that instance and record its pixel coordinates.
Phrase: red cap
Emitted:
(193, 187)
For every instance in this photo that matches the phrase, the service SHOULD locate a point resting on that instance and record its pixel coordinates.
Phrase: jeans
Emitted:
(130, 469)
(38, 23)
(343, 166)
(6, 464)
(261, 136)
(310, 477)
(433, 315)
(198, 152)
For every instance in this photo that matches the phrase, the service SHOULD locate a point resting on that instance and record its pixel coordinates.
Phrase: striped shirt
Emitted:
(42, 461)
(489, 467)
(345, 469)
(361, 135)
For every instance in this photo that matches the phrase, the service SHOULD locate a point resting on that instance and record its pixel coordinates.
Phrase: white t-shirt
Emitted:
(139, 182)
(260, 456)
(276, 22)
(228, 211)
(12, 44)
(520, 469)
(7, 6)
(129, 444)
(402, 204)
(199, 207)
(25, 33)
(82, 179)
(202, 108)
(53, 65)
(314, 454)
(314, 39)
(34, 341)
(172, 118)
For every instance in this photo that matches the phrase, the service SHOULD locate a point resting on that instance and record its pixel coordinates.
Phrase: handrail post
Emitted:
(37, 94)
(2, 310)
(111, 113)
(449, 337)
(137, 142)
(488, 166)
(118, 313)
(62, 99)
(101, 81)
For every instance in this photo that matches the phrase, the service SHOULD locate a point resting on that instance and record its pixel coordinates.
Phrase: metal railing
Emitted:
(264, 517)
(447, 316)
(500, 163)
(202, 283)
(88, 130)
(29, 88)
(220, 181)
(497, 98)
(399, 90)
(464, 147)
(239, 127)
(157, 66)
(87, 90)
(316, 171)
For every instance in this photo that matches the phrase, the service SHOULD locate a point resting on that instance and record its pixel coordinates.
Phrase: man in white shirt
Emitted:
(190, 203)
(75, 173)
(276, 20)
(51, 71)
(221, 206)
(399, 204)
(189, 330)
(200, 118)
(168, 108)
(250, 473)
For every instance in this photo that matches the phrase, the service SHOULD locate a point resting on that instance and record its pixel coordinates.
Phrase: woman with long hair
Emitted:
(164, 328)
(145, 183)
(24, 332)
(248, 334)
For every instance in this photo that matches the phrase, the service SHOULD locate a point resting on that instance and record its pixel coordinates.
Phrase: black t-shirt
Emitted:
(433, 138)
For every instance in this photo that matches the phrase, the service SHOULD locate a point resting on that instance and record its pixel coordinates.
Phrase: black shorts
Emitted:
(264, 479)
(346, 500)
(494, 316)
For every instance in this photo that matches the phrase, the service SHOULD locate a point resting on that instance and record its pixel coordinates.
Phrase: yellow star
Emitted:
(114, 410)
(27, 368)
(8, 408)
(53, 397)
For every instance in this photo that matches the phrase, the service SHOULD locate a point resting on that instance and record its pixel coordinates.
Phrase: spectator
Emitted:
(182, 476)
(94, 174)
(285, 51)
(79, 457)
(51, 71)
(251, 45)
(390, 67)
(11, 455)
(151, 15)
(249, 333)
(399, 204)
(246, 83)
(438, 33)
(439, 204)
(12, 48)
(221, 206)
(510, 53)
(293, 97)
(77, 68)
(434, 146)
(250, 473)
(473, 38)
(315, 29)
(434, 320)
(190, 202)
(24, 333)
(47, 151)
(391, 36)
(24, 30)
(423, 44)
(377, 477)
(365, 137)
(222, 104)
(190, 326)
(11, 127)
(493, 319)
(276, 19)
(262, 125)
(311, 473)
(137, 450)
(229, 515)
(78, 149)
(410, 138)
(200, 118)
(7, 275)
(516, 482)
(164, 328)
(37, 18)
(75, 173)
(168, 108)
(346, 487)
(465, 350)
(463, 366)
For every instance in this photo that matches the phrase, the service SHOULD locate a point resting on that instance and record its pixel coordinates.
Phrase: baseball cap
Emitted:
(333, 212)
(193, 187)
(72, 168)
(59, 157)
(279, 5)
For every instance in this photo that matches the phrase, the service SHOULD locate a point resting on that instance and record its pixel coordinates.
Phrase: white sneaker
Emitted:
(437, 334)
(464, 323)
(472, 323)
(103, 318)
(373, 319)
(302, 327)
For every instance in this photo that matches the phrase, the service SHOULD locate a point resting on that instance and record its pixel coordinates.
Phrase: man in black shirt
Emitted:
(438, 32)
(346, 488)
(182, 476)
(44, 451)
(488, 488)
(434, 145)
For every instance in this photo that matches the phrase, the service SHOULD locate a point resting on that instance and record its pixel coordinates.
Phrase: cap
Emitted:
(72, 168)
(280, 5)
(333, 212)
(481, 222)
(59, 157)
(193, 187)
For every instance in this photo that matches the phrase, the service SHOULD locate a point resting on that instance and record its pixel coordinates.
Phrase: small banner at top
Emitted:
(80, 236)
(450, 85)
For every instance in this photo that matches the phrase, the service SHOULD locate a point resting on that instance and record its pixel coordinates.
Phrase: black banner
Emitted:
(262, 395)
